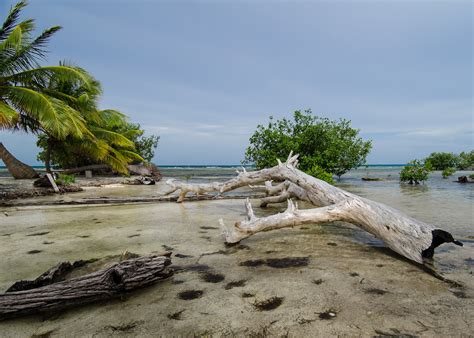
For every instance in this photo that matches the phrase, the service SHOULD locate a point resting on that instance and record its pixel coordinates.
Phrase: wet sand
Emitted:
(305, 281)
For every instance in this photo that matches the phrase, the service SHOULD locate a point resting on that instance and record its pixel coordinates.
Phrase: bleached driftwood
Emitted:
(407, 236)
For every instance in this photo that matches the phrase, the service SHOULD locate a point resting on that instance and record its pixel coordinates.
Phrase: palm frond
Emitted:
(8, 116)
(12, 19)
(13, 40)
(41, 75)
(111, 137)
(54, 116)
(27, 56)
(112, 118)
(131, 156)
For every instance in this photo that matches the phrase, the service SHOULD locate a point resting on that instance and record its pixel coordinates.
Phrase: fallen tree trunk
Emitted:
(44, 295)
(86, 167)
(407, 236)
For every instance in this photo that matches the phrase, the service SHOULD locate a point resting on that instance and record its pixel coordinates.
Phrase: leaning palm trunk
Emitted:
(407, 236)
(17, 169)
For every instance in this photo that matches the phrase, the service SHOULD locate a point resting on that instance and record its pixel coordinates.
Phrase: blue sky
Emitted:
(203, 74)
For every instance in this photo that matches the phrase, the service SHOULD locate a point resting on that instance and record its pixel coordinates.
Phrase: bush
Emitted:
(471, 176)
(448, 172)
(442, 161)
(466, 160)
(325, 147)
(415, 172)
(318, 172)
(64, 179)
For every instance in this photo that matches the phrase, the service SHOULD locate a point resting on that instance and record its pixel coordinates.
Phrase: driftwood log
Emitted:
(45, 294)
(405, 235)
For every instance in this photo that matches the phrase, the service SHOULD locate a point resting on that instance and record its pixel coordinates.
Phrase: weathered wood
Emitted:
(52, 182)
(108, 283)
(86, 167)
(407, 236)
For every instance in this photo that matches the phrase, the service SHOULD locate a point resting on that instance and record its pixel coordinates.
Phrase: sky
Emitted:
(203, 74)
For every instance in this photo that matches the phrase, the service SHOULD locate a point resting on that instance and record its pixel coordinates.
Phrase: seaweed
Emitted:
(375, 291)
(176, 315)
(190, 294)
(256, 262)
(205, 227)
(210, 277)
(269, 304)
(235, 284)
(39, 233)
(287, 262)
(278, 263)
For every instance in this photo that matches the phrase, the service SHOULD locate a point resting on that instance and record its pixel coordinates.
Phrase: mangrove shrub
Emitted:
(415, 172)
(326, 147)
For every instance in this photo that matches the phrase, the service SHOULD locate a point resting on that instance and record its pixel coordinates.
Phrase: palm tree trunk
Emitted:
(17, 169)
(47, 160)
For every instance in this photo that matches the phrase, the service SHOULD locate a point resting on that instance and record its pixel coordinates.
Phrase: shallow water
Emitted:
(349, 272)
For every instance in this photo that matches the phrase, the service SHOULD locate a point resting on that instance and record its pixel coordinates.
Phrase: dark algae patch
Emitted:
(211, 277)
(288, 262)
(269, 304)
(235, 284)
(327, 315)
(317, 281)
(176, 315)
(204, 227)
(247, 295)
(190, 294)
(252, 263)
(353, 274)
(39, 233)
(167, 248)
(278, 263)
(375, 291)
(396, 333)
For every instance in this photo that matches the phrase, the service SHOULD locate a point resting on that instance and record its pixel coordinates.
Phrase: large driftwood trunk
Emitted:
(44, 294)
(409, 237)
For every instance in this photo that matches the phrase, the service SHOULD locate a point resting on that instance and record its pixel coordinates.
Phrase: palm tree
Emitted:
(24, 102)
(108, 141)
